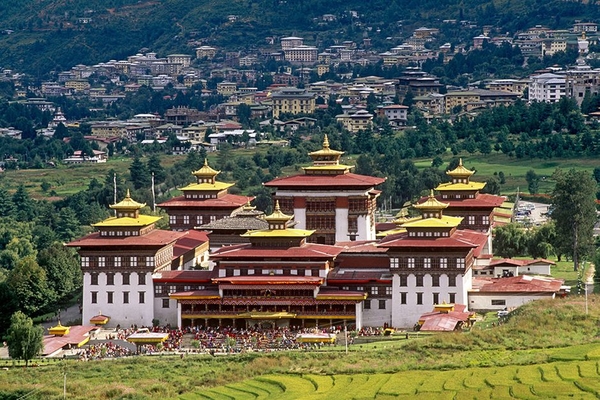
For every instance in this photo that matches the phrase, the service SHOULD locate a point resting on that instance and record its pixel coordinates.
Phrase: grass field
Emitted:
(531, 356)
(69, 179)
(515, 169)
(554, 380)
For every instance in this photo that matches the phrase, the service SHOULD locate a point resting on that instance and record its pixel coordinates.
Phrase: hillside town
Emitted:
(309, 80)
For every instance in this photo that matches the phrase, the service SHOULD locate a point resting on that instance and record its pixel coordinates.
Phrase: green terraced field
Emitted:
(558, 380)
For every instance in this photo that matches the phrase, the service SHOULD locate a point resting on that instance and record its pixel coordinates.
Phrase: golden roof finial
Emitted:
(277, 215)
(128, 195)
(326, 142)
(205, 162)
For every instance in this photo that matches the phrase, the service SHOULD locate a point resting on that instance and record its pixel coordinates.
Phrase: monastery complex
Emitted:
(320, 259)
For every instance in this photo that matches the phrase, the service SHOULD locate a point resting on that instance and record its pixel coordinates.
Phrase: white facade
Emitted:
(125, 304)
(411, 301)
(375, 315)
(500, 301)
(365, 223)
(548, 88)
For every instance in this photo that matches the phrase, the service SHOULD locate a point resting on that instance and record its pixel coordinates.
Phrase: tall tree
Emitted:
(24, 204)
(25, 341)
(574, 212)
(140, 176)
(62, 269)
(154, 167)
(533, 181)
(29, 283)
(6, 204)
(509, 241)
(9, 306)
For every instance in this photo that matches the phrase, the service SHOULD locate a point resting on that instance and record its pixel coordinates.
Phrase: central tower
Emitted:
(329, 199)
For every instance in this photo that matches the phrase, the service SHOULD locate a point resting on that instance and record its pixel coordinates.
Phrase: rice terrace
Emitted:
(546, 349)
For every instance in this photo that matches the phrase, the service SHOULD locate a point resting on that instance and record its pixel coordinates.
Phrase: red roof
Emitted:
(326, 182)
(270, 280)
(519, 263)
(385, 226)
(247, 251)
(76, 335)
(441, 321)
(201, 276)
(153, 238)
(189, 242)
(226, 201)
(517, 284)
(364, 246)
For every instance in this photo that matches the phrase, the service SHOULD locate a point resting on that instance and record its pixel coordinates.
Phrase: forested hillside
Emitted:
(38, 37)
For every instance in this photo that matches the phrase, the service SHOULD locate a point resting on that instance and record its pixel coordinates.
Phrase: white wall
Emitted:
(483, 301)
(165, 315)
(407, 315)
(341, 225)
(119, 313)
(376, 317)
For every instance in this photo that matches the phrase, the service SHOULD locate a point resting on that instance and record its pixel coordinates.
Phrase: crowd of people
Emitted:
(207, 340)
(99, 351)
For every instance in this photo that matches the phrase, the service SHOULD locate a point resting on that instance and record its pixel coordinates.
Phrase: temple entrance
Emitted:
(267, 325)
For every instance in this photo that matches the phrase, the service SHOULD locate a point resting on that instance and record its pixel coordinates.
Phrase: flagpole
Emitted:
(153, 195)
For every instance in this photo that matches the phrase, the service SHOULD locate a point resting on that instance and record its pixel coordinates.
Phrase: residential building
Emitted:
(302, 54)
(290, 42)
(395, 113)
(293, 101)
(358, 121)
(547, 87)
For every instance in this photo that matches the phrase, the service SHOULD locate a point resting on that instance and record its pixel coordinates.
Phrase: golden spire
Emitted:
(277, 214)
(431, 204)
(460, 171)
(325, 142)
(205, 174)
(127, 204)
(248, 206)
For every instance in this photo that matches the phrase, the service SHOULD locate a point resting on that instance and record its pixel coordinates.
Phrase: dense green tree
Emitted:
(541, 239)
(9, 306)
(574, 212)
(62, 270)
(6, 203)
(23, 204)
(68, 227)
(140, 176)
(533, 181)
(25, 341)
(29, 283)
(154, 167)
(509, 241)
